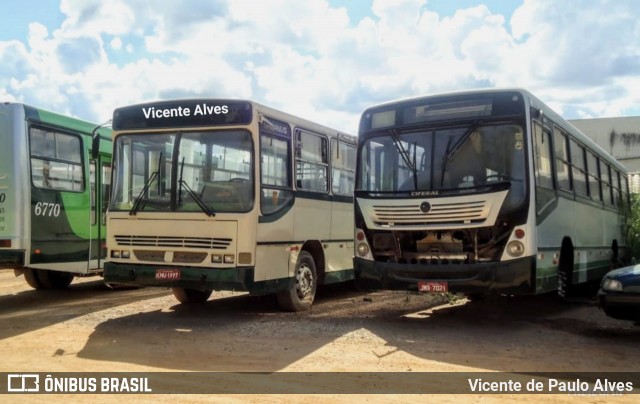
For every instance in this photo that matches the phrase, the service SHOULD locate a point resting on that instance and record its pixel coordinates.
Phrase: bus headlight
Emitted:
(515, 248)
(362, 249)
(121, 254)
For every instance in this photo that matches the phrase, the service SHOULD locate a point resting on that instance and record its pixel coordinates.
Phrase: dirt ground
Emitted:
(91, 328)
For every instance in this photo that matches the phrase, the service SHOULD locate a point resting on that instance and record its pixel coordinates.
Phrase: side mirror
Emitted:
(95, 144)
(95, 140)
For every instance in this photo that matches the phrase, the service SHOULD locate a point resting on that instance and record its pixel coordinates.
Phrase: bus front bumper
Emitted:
(505, 277)
(238, 279)
(185, 277)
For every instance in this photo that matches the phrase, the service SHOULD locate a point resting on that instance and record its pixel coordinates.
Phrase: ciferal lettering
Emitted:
(425, 193)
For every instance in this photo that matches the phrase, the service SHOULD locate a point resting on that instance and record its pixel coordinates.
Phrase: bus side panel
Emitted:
(591, 230)
(312, 218)
(13, 186)
(273, 250)
(340, 259)
(61, 227)
(53, 237)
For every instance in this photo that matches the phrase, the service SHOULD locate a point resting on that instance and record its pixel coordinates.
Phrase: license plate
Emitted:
(167, 274)
(433, 287)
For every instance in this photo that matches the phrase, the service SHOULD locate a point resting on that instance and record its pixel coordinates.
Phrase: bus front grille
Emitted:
(173, 242)
(150, 256)
(186, 257)
(440, 213)
(182, 257)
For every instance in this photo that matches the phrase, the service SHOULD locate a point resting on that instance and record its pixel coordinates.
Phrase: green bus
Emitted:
(54, 185)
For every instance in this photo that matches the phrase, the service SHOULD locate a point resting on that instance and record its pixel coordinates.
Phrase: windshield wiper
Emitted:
(406, 158)
(206, 209)
(453, 149)
(138, 202)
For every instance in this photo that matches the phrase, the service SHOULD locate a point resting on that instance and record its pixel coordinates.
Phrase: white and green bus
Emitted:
(54, 185)
(216, 194)
(483, 191)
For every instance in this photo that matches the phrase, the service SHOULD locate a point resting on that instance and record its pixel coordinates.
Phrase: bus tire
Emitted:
(191, 296)
(615, 256)
(54, 279)
(31, 276)
(302, 290)
(565, 271)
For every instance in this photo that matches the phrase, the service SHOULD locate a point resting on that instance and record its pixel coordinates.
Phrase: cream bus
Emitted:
(219, 194)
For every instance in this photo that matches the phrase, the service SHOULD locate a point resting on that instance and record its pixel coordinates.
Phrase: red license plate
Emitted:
(433, 287)
(167, 274)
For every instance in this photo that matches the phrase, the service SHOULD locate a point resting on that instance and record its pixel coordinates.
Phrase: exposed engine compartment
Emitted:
(440, 247)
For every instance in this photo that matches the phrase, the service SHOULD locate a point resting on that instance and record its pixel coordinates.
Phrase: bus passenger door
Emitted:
(100, 178)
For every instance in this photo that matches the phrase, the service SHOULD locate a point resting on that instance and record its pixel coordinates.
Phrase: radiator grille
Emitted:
(150, 256)
(440, 213)
(175, 242)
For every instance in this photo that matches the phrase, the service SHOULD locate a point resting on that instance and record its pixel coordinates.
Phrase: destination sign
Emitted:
(275, 127)
(183, 113)
(443, 109)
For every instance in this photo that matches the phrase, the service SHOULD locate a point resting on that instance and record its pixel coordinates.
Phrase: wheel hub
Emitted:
(304, 282)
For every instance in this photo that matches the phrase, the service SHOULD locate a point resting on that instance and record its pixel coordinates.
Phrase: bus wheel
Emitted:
(191, 296)
(31, 276)
(54, 279)
(302, 291)
(565, 271)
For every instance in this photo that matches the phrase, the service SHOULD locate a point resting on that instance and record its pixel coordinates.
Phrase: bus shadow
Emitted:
(30, 310)
(246, 334)
(231, 334)
(514, 333)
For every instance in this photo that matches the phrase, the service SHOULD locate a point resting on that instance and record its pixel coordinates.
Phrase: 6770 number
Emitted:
(47, 209)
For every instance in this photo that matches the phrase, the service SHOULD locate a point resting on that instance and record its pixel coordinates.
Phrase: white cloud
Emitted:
(94, 17)
(116, 43)
(309, 59)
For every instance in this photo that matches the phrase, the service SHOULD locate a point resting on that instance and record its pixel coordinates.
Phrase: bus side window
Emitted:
(56, 160)
(343, 161)
(594, 177)
(579, 173)
(311, 162)
(543, 157)
(563, 171)
(275, 157)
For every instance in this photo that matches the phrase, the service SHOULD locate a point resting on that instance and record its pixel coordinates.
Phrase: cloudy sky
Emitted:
(325, 60)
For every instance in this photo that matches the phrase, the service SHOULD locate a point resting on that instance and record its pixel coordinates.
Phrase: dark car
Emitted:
(619, 293)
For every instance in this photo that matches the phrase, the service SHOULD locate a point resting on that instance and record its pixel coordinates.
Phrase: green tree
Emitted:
(633, 228)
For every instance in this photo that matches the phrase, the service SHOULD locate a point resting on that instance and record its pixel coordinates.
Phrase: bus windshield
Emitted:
(459, 158)
(208, 171)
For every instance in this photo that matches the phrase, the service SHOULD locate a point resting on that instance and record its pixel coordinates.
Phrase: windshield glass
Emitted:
(452, 158)
(212, 173)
